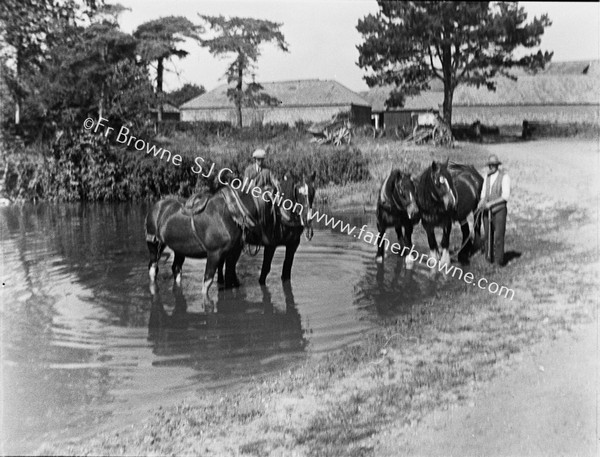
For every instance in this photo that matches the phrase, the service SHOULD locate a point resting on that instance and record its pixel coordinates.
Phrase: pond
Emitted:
(85, 343)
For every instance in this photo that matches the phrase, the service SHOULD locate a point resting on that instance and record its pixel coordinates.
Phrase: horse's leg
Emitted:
(381, 228)
(290, 251)
(231, 279)
(433, 246)
(467, 243)
(407, 241)
(220, 276)
(212, 263)
(176, 268)
(445, 258)
(266, 265)
(156, 249)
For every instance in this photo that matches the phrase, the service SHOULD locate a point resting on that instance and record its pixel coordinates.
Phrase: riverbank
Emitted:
(371, 398)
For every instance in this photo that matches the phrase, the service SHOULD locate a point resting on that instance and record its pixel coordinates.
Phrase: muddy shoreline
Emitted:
(364, 398)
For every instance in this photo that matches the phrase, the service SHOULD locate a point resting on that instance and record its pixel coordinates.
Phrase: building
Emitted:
(565, 92)
(170, 113)
(310, 100)
(401, 119)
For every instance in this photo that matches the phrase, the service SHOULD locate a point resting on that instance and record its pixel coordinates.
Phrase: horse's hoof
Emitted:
(445, 258)
(379, 259)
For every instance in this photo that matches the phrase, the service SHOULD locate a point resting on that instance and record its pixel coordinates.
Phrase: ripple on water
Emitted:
(84, 337)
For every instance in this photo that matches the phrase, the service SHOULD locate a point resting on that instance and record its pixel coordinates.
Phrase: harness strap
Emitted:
(196, 234)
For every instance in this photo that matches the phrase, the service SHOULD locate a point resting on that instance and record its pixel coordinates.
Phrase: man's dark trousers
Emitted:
(498, 229)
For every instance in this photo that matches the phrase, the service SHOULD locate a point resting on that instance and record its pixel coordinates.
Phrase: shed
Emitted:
(564, 92)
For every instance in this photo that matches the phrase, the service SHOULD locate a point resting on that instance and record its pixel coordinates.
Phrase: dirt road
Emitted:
(548, 404)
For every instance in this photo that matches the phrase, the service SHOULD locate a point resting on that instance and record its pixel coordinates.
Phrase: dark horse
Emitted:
(213, 227)
(294, 206)
(396, 207)
(447, 193)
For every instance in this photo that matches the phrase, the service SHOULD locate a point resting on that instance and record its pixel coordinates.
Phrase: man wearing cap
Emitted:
(494, 196)
(260, 176)
(259, 173)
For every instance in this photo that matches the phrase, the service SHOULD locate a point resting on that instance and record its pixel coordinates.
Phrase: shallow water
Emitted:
(85, 342)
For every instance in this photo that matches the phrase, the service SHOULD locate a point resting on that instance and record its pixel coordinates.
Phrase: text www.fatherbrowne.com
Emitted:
(124, 137)
(411, 253)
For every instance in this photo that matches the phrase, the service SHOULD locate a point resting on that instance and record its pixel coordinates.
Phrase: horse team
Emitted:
(218, 226)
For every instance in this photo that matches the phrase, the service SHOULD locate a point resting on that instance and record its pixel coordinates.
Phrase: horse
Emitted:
(447, 193)
(294, 206)
(209, 226)
(468, 184)
(396, 207)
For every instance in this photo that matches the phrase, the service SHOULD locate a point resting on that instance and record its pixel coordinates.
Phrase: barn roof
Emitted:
(305, 92)
(561, 83)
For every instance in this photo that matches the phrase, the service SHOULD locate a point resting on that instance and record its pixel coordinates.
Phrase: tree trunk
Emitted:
(18, 111)
(448, 83)
(238, 100)
(159, 88)
(18, 100)
(447, 106)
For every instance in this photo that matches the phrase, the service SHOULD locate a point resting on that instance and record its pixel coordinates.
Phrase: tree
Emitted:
(242, 37)
(159, 40)
(407, 44)
(85, 70)
(28, 29)
(185, 93)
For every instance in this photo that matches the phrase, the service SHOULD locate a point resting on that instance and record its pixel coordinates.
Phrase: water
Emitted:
(84, 342)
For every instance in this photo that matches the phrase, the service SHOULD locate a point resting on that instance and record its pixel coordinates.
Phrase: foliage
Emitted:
(409, 43)
(242, 37)
(87, 66)
(184, 94)
(86, 167)
(158, 40)
(28, 29)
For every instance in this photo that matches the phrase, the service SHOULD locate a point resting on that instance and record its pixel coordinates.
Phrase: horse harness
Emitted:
(244, 219)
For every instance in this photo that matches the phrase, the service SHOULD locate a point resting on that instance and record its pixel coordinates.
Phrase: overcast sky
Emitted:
(322, 36)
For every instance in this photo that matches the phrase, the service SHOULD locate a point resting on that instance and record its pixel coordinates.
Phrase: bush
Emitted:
(82, 166)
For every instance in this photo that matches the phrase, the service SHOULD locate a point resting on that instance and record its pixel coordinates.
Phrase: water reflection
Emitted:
(242, 328)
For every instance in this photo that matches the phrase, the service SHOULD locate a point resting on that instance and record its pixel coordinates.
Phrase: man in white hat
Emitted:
(259, 173)
(494, 196)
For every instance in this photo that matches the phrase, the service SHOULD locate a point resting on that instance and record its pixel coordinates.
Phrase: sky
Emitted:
(322, 37)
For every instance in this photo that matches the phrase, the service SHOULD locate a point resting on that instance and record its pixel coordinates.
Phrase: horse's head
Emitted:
(443, 187)
(301, 194)
(404, 194)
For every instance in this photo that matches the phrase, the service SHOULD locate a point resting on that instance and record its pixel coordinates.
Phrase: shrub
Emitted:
(82, 166)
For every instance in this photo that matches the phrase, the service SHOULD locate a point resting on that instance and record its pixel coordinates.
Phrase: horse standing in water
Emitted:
(397, 207)
(446, 194)
(294, 206)
(212, 227)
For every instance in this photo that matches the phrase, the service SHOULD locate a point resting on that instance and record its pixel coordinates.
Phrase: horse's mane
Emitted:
(425, 189)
